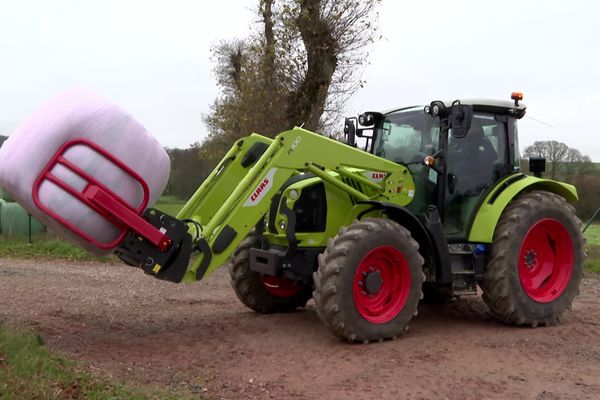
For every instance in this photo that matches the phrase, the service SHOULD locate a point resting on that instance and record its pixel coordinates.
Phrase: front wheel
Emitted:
(369, 281)
(536, 262)
(263, 293)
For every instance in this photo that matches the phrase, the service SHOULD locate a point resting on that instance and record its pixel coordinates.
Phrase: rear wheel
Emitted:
(263, 293)
(536, 261)
(369, 280)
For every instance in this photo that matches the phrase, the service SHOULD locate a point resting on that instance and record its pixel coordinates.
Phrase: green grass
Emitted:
(29, 371)
(593, 246)
(48, 246)
(593, 235)
(593, 265)
(44, 247)
(169, 205)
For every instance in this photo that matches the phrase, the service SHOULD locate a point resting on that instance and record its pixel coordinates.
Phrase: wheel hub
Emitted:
(530, 259)
(372, 282)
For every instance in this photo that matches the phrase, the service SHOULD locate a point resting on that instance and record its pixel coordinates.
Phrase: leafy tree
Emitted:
(188, 171)
(576, 166)
(299, 69)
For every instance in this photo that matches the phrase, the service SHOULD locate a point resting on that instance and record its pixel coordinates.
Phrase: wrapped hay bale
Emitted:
(73, 144)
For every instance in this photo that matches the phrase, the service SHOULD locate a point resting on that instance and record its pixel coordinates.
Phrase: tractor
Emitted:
(416, 204)
(420, 203)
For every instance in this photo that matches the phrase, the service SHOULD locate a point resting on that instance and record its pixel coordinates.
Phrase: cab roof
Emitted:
(486, 105)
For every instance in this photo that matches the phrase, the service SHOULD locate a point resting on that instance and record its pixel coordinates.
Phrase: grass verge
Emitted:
(593, 235)
(45, 247)
(50, 247)
(593, 247)
(169, 205)
(593, 265)
(29, 371)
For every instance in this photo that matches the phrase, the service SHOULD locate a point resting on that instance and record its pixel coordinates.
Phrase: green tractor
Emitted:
(419, 204)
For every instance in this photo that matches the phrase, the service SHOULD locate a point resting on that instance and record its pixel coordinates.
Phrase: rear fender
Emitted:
(488, 215)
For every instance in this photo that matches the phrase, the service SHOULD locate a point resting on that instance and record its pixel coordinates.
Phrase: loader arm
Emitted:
(236, 196)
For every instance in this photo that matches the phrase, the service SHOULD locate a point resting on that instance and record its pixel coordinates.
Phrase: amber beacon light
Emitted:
(516, 96)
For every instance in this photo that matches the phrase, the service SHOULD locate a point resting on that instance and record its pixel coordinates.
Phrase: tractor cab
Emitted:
(456, 151)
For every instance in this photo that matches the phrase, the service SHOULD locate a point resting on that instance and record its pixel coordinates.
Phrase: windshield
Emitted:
(407, 136)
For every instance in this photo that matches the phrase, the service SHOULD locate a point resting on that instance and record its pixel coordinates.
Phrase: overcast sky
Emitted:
(153, 58)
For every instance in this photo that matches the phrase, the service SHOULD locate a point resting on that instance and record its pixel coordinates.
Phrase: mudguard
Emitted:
(488, 215)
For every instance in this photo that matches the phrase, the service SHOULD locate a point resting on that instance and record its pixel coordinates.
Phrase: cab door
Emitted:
(474, 163)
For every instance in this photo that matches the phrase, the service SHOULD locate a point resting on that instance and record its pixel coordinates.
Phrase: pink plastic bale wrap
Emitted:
(81, 115)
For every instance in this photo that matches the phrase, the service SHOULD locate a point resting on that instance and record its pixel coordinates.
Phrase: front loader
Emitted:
(419, 204)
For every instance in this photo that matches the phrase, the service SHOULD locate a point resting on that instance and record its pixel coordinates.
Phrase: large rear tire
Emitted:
(262, 293)
(369, 281)
(536, 261)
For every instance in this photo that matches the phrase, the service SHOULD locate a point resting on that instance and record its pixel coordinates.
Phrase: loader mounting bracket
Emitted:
(170, 265)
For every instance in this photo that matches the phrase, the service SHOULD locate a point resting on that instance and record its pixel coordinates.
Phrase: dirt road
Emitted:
(198, 338)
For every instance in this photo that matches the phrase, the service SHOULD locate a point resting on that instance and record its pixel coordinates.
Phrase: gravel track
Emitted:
(198, 338)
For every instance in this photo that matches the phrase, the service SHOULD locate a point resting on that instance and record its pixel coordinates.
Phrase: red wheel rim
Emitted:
(546, 260)
(382, 301)
(279, 287)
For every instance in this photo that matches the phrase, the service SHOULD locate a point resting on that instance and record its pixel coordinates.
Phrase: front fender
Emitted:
(488, 215)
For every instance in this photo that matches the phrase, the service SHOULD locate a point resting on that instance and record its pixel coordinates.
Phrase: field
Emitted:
(593, 245)
(593, 235)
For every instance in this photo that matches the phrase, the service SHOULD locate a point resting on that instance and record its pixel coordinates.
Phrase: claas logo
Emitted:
(375, 176)
(259, 189)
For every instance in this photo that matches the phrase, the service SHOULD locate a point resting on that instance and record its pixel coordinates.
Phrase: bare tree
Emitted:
(299, 69)
(335, 36)
(562, 159)
(553, 151)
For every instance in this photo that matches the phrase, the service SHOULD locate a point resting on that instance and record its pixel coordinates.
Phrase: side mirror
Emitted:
(460, 120)
(537, 165)
(350, 131)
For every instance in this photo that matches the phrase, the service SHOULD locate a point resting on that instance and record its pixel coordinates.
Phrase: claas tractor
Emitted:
(419, 204)
(416, 204)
